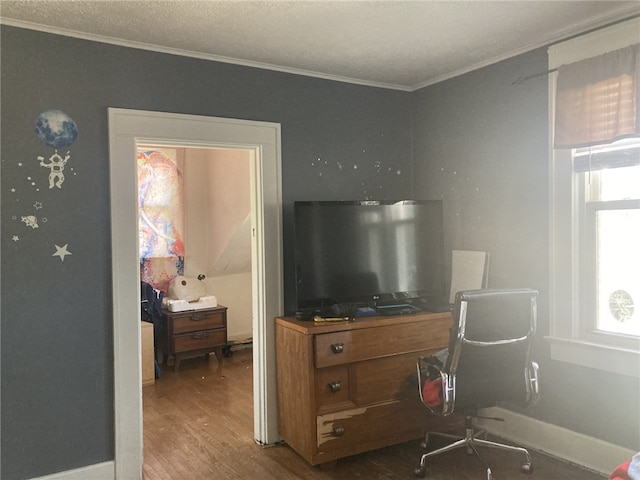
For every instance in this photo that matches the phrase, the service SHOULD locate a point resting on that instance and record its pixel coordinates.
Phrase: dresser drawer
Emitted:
(333, 388)
(379, 425)
(357, 345)
(198, 340)
(384, 379)
(377, 380)
(192, 321)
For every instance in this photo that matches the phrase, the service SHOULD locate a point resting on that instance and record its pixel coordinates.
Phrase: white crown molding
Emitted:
(188, 53)
(619, 16)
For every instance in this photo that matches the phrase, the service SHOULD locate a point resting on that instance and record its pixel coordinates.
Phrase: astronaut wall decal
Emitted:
(56, 164)
(36, 209)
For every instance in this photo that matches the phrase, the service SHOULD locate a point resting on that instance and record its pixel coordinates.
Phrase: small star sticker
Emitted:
(37, 205)
(19, 164)
(61, 252)
(15, 238)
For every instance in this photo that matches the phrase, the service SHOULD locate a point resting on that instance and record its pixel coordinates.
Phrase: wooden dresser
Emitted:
(195, 332)
(349, 387)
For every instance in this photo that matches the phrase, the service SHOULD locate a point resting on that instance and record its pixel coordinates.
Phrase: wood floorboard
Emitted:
(198, 424)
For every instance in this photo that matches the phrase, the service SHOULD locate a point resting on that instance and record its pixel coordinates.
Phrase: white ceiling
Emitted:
(393, 44)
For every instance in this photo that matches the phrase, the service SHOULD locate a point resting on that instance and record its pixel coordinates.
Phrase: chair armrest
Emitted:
(428, 371)
(533, 385)
(448, 393)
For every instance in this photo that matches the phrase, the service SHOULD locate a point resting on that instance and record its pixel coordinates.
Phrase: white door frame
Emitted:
(127, 128)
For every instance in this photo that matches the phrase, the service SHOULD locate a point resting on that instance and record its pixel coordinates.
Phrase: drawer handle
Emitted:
(337, 347)
(196, 317)
(335, 387)
(338, 430)
(200, 334)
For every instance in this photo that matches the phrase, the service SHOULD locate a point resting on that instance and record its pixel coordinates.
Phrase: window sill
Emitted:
(598, 356)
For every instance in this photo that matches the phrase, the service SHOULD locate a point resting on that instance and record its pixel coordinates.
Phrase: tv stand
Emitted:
(397, 309)
(438, 308)
(349, 387)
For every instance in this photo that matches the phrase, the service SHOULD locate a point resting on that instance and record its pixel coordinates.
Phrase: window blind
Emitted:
(597, 99)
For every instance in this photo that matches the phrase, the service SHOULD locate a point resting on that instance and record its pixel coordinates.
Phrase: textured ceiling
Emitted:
(393, 44)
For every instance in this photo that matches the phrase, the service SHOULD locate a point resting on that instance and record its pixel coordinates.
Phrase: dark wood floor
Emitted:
(198, 424)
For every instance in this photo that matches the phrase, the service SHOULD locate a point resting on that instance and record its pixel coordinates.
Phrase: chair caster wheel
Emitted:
(527, 468)
(421, 471)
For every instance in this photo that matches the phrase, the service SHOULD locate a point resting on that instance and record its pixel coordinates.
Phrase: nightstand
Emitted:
(194, 333)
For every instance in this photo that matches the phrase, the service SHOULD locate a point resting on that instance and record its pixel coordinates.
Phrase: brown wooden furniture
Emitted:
(194, 333)
(147, 353)
(350, 387)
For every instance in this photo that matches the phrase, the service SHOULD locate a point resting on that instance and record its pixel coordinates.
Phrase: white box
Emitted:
(208, 301)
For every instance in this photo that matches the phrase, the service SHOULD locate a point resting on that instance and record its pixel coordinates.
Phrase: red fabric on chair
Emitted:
(432, 392)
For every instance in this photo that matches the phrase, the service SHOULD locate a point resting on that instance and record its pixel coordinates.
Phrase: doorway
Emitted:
(127, 129)
(195, 221)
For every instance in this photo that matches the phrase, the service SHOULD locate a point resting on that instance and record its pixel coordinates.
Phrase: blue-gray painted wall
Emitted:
(338, 141)
(481, 144)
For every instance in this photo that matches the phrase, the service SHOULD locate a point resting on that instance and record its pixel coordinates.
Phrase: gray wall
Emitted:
(481, 144)
(57, 361)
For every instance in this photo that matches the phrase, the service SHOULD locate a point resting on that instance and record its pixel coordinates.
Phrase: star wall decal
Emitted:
(62, 252)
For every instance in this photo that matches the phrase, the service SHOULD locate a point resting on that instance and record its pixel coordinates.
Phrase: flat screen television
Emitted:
(368, 253)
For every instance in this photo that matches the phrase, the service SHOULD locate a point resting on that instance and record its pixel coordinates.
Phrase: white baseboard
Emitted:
(99, 471)
(559, 442)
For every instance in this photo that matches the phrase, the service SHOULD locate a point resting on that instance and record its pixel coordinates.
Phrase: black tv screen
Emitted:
(368, 252)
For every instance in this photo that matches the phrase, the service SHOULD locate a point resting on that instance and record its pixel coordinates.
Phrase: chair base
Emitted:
(470, 442)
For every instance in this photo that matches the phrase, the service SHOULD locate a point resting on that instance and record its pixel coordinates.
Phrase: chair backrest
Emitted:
(489, 357)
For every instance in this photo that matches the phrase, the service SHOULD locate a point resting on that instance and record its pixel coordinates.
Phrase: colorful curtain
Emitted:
(161, 218)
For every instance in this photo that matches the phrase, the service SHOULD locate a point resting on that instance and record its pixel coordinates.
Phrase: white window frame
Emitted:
(590, 205)
(567, 337)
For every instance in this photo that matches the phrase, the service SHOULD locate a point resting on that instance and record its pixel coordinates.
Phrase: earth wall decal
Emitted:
(56, 129)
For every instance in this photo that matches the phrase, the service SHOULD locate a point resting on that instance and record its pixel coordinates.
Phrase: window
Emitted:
(595, 230)
(609, 204)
